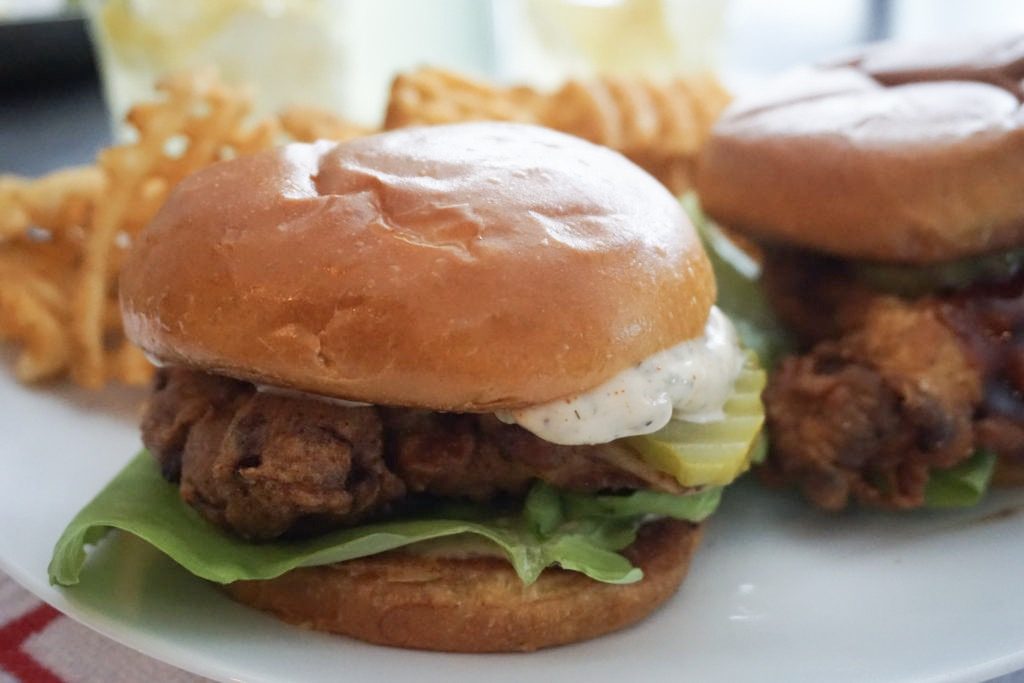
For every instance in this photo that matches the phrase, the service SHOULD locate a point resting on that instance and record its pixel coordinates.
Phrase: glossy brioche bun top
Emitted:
(465, 267)
(901, 153)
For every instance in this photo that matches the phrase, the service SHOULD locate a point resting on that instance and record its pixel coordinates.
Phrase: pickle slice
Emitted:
(710, 453)
(914, 281)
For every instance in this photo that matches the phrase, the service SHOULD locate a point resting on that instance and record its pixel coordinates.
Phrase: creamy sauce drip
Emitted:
(154, 361)
(690, 381)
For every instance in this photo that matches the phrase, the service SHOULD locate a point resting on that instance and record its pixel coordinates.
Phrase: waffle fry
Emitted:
(431, 96)
(63, 236)
(306, 124)
(28, 320)
(51, 203)
(658, 125)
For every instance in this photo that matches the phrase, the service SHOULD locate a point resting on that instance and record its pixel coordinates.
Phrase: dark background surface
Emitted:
(44, 129)
(51, 105)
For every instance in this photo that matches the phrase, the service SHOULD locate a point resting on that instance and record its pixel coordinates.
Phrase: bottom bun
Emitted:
(473, 604)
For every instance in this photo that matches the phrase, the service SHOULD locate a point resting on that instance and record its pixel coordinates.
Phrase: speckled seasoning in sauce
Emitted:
(690, 381)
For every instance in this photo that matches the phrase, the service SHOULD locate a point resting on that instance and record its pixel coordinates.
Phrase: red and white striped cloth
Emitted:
(38, 644)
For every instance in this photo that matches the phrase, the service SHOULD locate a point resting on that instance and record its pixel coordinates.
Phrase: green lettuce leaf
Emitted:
(639, 503)
(960, 486)
(576, 532)
(739, 294)
(759, 451)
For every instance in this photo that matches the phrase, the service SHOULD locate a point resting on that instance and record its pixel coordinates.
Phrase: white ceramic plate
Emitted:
(778, 592)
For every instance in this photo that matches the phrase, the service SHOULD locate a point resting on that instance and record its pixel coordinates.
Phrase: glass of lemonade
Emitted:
(336, 54)
(546, 41)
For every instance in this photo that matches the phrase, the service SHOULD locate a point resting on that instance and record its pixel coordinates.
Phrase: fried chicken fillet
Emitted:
(895, 388)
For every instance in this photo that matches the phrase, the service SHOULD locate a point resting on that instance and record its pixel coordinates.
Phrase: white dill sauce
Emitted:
(690, 381)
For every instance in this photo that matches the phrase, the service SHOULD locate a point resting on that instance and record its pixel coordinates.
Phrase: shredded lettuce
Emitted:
(739, 294)
(962, 485)
(576, 532)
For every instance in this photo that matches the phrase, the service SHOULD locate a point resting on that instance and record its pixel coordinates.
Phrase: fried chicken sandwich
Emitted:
(458, 388)
(886, 190)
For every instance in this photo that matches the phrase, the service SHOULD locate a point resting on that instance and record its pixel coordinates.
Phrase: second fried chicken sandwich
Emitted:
(885, 189)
